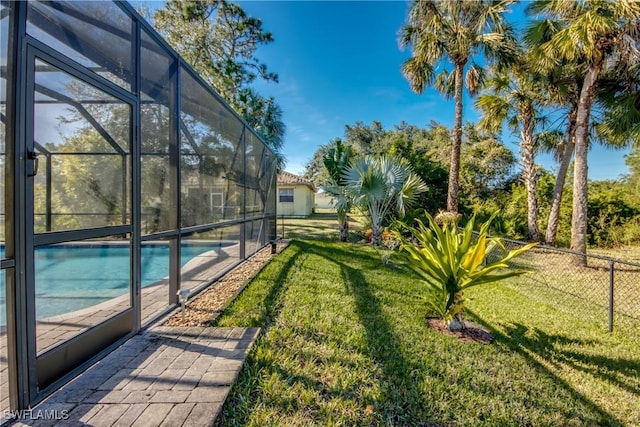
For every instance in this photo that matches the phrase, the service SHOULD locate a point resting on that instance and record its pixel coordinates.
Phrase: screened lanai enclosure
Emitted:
(124, 179)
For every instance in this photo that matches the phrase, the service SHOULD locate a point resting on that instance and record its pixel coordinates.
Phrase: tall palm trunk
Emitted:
(456, 142)
(529, 173)
(580, 167)
(567, 154)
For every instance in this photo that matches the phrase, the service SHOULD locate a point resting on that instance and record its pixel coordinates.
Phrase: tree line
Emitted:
(571, 80)
(490, 179)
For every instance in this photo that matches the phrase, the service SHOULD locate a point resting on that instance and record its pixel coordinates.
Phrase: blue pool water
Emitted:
(72, 277)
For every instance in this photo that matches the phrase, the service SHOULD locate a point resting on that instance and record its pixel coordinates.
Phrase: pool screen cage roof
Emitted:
(66, 22)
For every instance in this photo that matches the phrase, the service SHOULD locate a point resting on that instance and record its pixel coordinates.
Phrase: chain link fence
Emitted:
(605, 290)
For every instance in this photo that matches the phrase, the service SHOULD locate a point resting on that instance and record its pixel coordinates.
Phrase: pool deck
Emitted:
(53, 330)
(165, 376)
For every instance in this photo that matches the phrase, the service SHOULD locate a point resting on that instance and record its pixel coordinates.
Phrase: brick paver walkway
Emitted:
(52, 331)
(161, 377)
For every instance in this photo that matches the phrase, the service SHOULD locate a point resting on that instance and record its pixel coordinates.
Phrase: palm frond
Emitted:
(454, 32)
(418, 73)
(474, 79)
(620, 125)
(495, 110)
(411, 188)
(539, 32)
(445, 83)
(379, 184)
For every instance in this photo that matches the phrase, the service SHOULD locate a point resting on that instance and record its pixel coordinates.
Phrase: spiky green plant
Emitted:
(451, 260)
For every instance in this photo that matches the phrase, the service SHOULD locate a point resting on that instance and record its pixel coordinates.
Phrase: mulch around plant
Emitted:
(470, 333)
(209, 304)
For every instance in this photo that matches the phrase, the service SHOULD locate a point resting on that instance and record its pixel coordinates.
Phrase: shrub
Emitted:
(379, 186)
(451, 260)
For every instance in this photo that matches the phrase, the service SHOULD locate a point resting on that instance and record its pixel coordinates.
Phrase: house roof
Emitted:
(288, 178)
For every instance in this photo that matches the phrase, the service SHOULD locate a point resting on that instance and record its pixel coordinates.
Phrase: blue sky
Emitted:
(339, 62)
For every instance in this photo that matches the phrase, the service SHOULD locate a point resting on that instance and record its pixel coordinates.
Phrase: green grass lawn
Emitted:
(345, 343)
(583, 291)
(627, 253)
(323, 225)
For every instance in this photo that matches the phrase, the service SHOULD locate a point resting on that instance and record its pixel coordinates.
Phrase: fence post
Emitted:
(611, 269)
(283, 226)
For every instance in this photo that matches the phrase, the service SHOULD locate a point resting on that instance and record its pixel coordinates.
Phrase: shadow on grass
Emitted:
(399, 393)
(271, 302)
(606, 368)
(314, 232)
(324, 215)
(321, 226)
(237, 407)
(519, 339)
(401, 403)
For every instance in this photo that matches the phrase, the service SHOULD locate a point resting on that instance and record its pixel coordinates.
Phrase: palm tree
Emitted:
(336, 160)
(603, 35)
(617, 125)
(564, 81)
(454, 31)
(518, 96)
(563, 153)
(379, 186)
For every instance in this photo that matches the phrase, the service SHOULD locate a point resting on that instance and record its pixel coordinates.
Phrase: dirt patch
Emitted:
(208, 305)
(470, 333)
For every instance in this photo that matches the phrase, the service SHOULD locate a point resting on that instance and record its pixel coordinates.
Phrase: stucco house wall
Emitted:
(303, 193)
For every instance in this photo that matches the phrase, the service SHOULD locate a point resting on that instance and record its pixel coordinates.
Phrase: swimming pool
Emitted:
(71, 277)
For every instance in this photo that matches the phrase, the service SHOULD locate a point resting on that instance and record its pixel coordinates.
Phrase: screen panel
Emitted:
(98, 35)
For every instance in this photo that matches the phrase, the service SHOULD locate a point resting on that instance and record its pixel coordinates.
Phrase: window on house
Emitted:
(286, 195)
